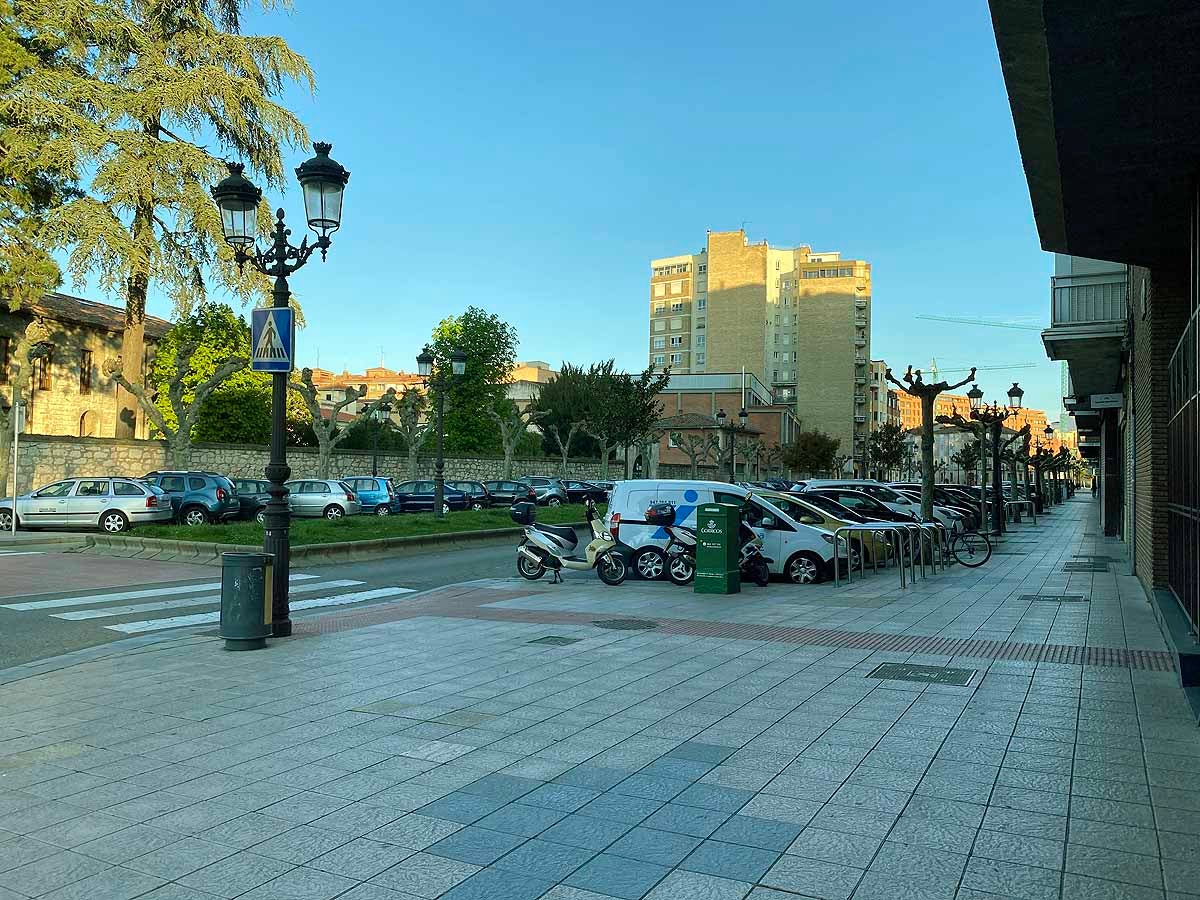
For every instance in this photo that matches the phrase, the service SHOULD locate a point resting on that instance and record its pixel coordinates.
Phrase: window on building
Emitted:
(676, 287)
(660, 325)
(85, 372)
(4, 347)
(659, 343)
(677, 340)
(677, 306)
(702, 303)
(659, 359)
(676, 358)
(44, 368)
(699, 359)
(702, 268)
(699, 324)
(660, 308)
(660, 290)
(701, 340)
(676, 324)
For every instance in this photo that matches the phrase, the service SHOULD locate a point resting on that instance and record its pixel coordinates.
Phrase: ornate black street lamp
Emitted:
(993, 418)
(731, 431)
(438, 380)
(382, 416)
(323, 182)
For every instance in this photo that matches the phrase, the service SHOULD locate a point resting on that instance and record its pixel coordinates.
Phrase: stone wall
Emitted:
(44, 459)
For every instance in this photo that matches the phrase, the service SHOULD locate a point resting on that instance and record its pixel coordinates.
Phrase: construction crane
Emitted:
(963, 320)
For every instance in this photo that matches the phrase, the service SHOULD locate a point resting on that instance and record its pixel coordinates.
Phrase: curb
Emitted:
(205, 553)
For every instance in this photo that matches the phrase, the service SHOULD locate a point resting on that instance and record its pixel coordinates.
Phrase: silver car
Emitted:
(328, 499)
(113, 504)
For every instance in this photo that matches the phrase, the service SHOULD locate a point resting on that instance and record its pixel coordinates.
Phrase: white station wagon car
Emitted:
(108, 503)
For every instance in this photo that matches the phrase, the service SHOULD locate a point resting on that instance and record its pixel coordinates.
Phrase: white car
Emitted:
(891, 498)
(112, 504)
(802, 553)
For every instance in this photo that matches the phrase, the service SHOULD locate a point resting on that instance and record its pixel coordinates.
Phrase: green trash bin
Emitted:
(717, 549)
(246, 600)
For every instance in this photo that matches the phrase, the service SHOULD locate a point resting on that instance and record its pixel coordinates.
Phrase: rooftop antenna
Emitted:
(381, 357)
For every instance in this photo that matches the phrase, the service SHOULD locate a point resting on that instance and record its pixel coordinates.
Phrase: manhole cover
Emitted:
(1085, 567)
(1054, 598)
(926, 674)
(626, 624)
(554, 640)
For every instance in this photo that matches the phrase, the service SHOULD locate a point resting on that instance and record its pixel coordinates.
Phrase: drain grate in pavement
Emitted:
(554, 640)
(1085, 567)
(925, 674)
(1054, 598)
(626, 624)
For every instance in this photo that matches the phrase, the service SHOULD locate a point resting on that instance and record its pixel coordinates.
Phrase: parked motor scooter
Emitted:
(551, 547)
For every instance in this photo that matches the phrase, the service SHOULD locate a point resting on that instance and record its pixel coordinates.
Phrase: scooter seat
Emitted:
(560, 531)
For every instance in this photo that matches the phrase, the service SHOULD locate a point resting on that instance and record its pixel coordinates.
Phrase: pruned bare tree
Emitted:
(750, 451)
(927, 393)
(772, 457)
(513, 423)
(698, 448)
(186, 411)
(411, 423)
(326, 429)
(564, 443)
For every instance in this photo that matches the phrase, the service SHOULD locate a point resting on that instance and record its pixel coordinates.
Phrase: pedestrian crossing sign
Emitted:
(273, 339)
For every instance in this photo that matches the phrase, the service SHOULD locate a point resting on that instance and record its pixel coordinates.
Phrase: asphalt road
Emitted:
(73, 601)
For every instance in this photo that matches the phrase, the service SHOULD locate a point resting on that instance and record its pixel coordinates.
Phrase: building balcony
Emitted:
(860, 360)
(860, 379)
(860, 419)
(860, 398)
(1088, 326)
(860, 321)
(860, 342)
(860, 303)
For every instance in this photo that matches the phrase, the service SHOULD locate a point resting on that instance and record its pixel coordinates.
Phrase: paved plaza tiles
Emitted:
(431, 748)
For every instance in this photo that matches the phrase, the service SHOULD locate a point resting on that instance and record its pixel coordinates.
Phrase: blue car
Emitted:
(376, 494)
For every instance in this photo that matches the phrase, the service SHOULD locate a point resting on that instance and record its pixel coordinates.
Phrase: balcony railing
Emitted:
(1088, 299)
(860, 419)
(860, 398)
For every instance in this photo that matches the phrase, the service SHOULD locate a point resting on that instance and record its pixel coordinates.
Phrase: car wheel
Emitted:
(114, 522)
(650, 563)
(261, 516)
(445, 507)
(477, 505)
(804, 568)
(333, 512)
(6, 520)
(193, 516)
(383, 510)
(554, 501)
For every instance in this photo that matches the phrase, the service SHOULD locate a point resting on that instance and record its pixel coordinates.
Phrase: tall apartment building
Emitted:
(799, 321)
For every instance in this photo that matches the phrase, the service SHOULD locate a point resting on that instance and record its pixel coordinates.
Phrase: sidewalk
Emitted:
(490, 741)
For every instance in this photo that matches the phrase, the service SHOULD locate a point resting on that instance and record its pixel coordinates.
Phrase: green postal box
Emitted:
(717, 549)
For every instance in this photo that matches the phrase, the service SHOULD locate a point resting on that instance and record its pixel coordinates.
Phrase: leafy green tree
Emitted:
(411, 423)
(967, 457)
(31, 344)
(565, 403)
(37, 162)
(885, 448)
(812, 452)
(155, 94)
(625, 409)
(491, 347)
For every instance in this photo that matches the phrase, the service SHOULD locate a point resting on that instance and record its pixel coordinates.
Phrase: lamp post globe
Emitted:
(721, 418)
(425, 362)
(1015, 394)
(323, 182)
(237, 199)
(458, 363)
(975, 396)
(742, 417)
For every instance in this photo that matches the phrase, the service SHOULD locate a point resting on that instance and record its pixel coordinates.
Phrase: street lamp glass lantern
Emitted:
(237, 198)
(975, 395)
(721, 418)
(425, 362)
(323, 181)
(458, 363)
(1048, 431)
(742, 417)
(1015, 393)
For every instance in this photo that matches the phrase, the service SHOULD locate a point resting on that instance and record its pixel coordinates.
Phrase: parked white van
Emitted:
(801, 552)
(891, 498)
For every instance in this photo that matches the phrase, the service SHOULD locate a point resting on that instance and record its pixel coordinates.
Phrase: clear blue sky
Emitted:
(531, 159)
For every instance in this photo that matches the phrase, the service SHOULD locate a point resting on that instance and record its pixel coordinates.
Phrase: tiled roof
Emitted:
(65, 308)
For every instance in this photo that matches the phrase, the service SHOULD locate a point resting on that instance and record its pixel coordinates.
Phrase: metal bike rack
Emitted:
(899, 539)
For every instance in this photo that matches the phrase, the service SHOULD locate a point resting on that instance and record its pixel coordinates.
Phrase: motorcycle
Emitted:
(680, 551)
(551, 547)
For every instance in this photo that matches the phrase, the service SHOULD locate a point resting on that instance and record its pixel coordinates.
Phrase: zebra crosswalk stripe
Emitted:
(88, 599)
(209, 617)
(108, 612)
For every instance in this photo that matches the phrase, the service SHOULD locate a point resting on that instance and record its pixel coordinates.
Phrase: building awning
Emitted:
(1105, 98)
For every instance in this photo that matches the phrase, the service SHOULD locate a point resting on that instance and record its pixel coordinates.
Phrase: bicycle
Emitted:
(971, 549)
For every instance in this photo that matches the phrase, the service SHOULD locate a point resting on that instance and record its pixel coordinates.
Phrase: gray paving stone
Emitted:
(461, 808)
(734, 861)
(690, 820)
(301, 844)
(361, 859)
(1081, 887)
(246, 831)
(415, 831)
(477, 846)
(301, 884)
(877, 885)
(172, 861)
(544, 860)
(1011, 879)
(18, 851)
(593, 777)
(681, 885)
(424, 875)
(111, 884)
(51, 872)
(235, 875)
(617, 876)
(584, 832)
(1114, 865)
(652, 787)
(491, 883)
(663, 848)
(621, 807)
(810, 878)
(502, 787)
(1018, 848)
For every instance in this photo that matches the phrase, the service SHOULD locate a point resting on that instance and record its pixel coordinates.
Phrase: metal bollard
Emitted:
(246, 600)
